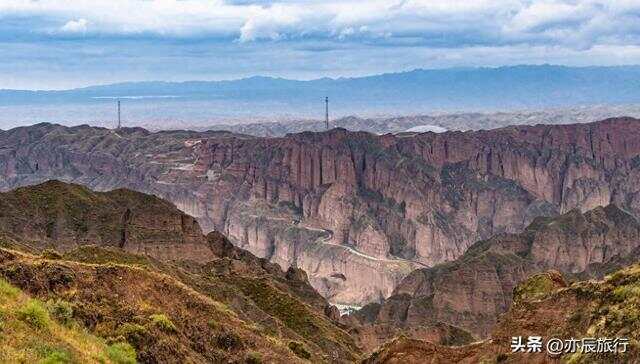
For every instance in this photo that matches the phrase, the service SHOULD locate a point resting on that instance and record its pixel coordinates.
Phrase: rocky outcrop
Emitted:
(474, 290)
(121, 259)
(547, 307)
(418, 199)
(66, 216)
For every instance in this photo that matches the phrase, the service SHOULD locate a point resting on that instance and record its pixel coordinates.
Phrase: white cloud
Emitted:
(311, 38)
(75, 26)
(480, 22)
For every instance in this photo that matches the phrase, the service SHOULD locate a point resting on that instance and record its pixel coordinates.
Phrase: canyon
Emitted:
(473, 291)
(546, 306)
(121, 269)
(357, 211)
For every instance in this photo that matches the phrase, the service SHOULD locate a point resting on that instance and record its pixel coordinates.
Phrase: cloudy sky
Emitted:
(53, 44)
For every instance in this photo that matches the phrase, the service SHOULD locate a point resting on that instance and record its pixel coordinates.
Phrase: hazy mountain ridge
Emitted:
(440, 84)
(168, 104)
(448, 121)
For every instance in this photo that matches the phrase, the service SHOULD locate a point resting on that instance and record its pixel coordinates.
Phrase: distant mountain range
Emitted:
(417, 91)
(436, 122)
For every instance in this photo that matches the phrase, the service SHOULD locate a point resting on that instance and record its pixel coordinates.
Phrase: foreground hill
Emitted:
(66, 216)
(30, 335)
(471, 292)
(357, 211)
(103, 303)
(545, 306)
(165, 308)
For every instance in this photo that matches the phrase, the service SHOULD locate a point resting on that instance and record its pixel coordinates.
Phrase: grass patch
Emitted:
(61, 311)
(30, 335)
(122, 353)
(134, 333)
(623, 293)
(534, 288)
(7, 291)
(56, 357)
(35, 314)
(299, 349)
(163, 322)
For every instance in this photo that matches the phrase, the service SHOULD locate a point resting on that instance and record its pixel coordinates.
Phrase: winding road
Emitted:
(327, 239)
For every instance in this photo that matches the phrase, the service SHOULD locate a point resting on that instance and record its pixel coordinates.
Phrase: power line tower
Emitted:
(119, 120)
(326, 112)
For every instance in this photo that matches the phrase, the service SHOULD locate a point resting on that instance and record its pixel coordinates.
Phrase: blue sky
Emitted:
(49, 44)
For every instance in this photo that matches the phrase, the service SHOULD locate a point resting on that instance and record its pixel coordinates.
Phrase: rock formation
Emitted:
(67, 216)
(168, 291)
(547, 307)
(357, 211)
(471, 292)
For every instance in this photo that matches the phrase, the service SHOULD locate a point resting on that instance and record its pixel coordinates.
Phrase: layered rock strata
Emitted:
(341, 204)
(472, 291)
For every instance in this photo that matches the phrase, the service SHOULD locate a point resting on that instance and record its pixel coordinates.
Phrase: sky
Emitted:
(47, 44)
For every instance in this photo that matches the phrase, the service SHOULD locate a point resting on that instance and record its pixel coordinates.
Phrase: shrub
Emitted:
(51, 254)
(122, 353)
(62, 311)
(7, 290)
(254, 357)
(163, 322)
(56, 357)
(299, 349)
(229, 340)
(134, 333)
(34, 313)
(212, 324)
(623, 293)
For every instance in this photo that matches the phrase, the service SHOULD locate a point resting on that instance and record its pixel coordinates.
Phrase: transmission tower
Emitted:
(326, 112)
(119, 120)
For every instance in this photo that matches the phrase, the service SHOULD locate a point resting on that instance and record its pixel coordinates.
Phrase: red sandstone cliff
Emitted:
(353, 209)
(473, 291)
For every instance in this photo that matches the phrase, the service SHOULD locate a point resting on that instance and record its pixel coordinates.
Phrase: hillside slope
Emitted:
(357, 211)
(546, 306)
(66, 216)
(474, 290)
(232, 307)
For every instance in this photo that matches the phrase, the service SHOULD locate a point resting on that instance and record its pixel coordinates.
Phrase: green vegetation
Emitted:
(34, 313)
(254, 357)
(7, 291)
(56, 357)
(122, 353)
(163, 322)
(134, 333)
(61, 311)
(29, 335)
(623, 293)
(299, 349)
(291, 312)
(534, 288)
